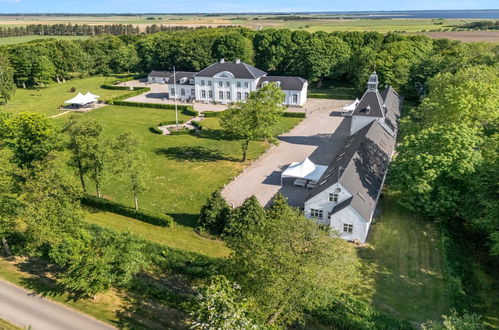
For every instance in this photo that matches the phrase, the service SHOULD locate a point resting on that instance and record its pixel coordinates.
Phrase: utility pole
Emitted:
(175, 95)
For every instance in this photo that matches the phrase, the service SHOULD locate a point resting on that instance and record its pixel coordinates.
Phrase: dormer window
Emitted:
(368, 109)
(191, 81)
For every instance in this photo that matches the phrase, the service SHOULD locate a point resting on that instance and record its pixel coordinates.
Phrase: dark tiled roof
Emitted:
(371, 104)
(393, 104)
(160, 74)
(364, 161)
(240, 70)
(287, 83)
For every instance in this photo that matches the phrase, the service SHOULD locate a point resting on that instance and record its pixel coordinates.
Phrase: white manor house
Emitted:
(225, 82)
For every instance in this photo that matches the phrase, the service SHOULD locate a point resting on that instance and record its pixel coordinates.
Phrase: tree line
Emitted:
(68, 30)
(405, 62)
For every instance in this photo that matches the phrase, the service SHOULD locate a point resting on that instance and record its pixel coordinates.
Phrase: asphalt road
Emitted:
(24, 309)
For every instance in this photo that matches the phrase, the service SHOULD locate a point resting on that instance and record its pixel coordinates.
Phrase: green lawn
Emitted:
(47, 100)
(335, 91)
(176, 236)
(403, 266)
(18, 40)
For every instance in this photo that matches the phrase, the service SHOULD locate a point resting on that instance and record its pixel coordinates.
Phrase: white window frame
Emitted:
(246, 95)
(238, 84)
(220, 84)
(221, 95)
(210, 94)
(227, 83)
(182, 92)
(172, 91)
(295, 98)
(246, 84)
(316, 213)
(209, 82)
(202, 82)
(239, 96)
(203, 94)
(228, 95)
(348, 228)
(333, 197)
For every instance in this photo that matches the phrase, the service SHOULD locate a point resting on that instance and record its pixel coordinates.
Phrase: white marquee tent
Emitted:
(304, 170)
(351, 106)
(81, 100)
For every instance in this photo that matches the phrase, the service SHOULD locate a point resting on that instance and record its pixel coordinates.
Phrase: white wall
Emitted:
(321, 202)
(348, 215)
(216, 89)
(358, 122)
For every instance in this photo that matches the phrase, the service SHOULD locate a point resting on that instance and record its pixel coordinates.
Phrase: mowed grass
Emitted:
(336, 91)
(403, 266)
(176, 236)
(48, 99)
(21, 39)
(6, 325)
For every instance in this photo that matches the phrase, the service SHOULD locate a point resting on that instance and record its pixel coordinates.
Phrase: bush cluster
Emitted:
(155, 130)
(212, 113)
(319, 96)
(294, 114)
(189, 111)
(142, 215)
(184, 131)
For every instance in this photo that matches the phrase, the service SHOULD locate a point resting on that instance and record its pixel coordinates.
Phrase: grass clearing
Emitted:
(403, 265)
(47, 100)
(335, 91)
(21, 39)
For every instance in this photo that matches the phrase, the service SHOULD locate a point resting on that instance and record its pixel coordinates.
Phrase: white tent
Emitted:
(81, 99)
(351, 106)
(304, 170)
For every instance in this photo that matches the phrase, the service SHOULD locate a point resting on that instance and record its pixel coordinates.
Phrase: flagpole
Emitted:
(175, 87)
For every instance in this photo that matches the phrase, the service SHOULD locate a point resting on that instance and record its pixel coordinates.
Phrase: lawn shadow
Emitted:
(42, 281)
(193, 154)
(189, 220)
(214, 134)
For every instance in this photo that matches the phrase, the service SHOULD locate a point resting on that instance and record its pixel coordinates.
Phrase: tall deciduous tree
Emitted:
(288, 263)
(233, 46)
(9, 200)
(7, 85)
(432, 166)
(257, 118)
(129, 163)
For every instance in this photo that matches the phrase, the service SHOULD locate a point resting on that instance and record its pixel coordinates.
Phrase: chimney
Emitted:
(238, 61)
(222, 60)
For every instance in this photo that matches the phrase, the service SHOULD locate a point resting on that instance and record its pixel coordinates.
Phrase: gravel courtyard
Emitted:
(319, 137)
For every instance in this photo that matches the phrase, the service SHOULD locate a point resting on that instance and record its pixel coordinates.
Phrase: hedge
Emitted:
(197, 124)
(190, 112)
(114, 207)
(116, 88)
(294, 114)
(212, 113)
(155, 130)
(182, 132)
(170, 122)
(320, 96)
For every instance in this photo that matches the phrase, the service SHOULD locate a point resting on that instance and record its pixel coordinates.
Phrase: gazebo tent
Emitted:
(93, 96)
(81, 100)
(351, 106)
(304, 170)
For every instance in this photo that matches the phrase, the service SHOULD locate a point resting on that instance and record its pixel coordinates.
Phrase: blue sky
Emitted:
(184, 6)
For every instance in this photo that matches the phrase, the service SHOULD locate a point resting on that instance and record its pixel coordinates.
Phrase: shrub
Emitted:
(73, 89)
(183, 131)
(155, 130)
(116, 88)
(114, 207)
(214, 214)
(294, 114)
(212, 113)
(189, 111)
(197, 124)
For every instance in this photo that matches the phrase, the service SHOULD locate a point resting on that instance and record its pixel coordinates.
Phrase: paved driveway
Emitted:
(318, 137)
(26, 309)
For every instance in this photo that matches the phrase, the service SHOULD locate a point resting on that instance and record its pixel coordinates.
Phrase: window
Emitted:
(209, 82)
(202, 82)
(295, 98)
(246, 84)
(317, 214)
(220, 84)
(228, 95)
(227, 84)
(333, 197)
(347, 228)
(172, 91)
(239, 96)
(221, 95)
(246, 95)
(238, 84)
(203, 94)
(193, 92)
(182, 92)
(210, 94)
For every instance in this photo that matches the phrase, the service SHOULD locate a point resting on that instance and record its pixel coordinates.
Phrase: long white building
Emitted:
(225, 82)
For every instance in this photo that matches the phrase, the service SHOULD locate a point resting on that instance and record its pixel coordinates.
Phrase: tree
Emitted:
(432, 166)
(95, 261)
(130, 164)
(289, 263)
(220, 306)
(43, 71)
(7, 85)
(32, 136)
(125, 59)
(257, 118)
(84, 138)
(233, 46)
(470, 95)
(52, 202)
(456, 322)
(9, 201)
(245, 217)
(214, 214)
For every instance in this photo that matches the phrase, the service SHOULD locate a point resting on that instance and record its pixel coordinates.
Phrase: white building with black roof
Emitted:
(345, 197)
(226, 82)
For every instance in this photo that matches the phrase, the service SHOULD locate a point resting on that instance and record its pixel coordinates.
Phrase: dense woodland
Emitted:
(446, 169)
